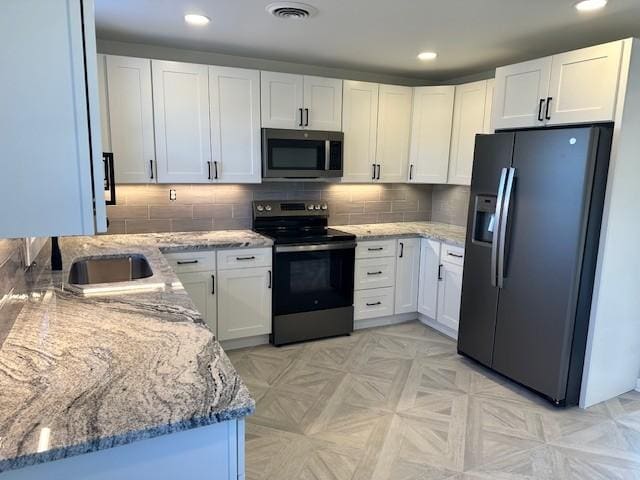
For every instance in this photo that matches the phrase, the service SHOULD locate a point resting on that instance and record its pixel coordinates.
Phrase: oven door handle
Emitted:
(315, 248)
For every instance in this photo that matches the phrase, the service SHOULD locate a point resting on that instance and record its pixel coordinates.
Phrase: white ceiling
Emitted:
(373, 35)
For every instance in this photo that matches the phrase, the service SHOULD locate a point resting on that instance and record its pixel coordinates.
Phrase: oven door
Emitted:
(301, 154)
(313, 277)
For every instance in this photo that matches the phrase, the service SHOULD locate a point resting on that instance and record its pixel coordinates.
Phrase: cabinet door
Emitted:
(202, 289)
(431, 134)
(49, 88)
(394, 130)
(323, 103)
(449, 295)
(130, 110)
(584, 85)
(234, 95)
(519, 90)
(468, 121)
(282, 100)
(407, 275)
(182, 127)
(428, 290)
(244, 302)
(488, 105)
(105, 134)
(359, 122)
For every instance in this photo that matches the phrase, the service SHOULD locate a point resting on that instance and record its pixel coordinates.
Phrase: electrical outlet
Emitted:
(173, 194)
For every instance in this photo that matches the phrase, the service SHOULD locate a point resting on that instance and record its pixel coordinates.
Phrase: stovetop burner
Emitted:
(288, 222)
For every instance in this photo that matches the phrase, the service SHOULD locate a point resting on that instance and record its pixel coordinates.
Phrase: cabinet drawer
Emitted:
(373, 249)
(375, 273)
(373, 303)
(451, 254)
(244, 258)
(185, 262)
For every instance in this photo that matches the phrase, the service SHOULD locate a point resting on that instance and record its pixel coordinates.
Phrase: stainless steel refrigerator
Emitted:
(532, 239)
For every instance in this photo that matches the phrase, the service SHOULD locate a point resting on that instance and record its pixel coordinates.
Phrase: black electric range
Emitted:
(313, 269)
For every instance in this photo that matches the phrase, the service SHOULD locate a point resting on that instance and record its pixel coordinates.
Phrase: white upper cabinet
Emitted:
(182, 127)
(129, 107)
(359, 122)
(234, 95)
(51, 144)
(519, 96)
(105, 134)
(431, 134)
(393, 132)
(301, 102)
(323, 103)
(282, 100)
(584, 85)
(468, 121)
(574, 87)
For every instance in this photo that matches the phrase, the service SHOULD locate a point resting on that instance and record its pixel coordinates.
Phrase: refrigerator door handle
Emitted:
(503, 227)
(496, 229)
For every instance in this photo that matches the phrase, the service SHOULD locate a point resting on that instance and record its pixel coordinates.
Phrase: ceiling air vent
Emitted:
(291, 10)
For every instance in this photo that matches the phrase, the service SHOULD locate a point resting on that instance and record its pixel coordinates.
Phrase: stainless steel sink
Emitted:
(115, 269)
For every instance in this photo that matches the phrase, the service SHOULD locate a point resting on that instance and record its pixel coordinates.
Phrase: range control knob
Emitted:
(317, 207)
(309, 207)
(260, 208)
(324, 206)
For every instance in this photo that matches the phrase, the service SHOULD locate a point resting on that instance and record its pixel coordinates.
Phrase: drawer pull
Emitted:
(252, 257)
(187, 262)
(377, 249)
(454, 255)
(374, 273)
(374, 304)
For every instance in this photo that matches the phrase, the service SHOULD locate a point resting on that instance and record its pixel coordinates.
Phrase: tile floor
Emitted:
(399, 403)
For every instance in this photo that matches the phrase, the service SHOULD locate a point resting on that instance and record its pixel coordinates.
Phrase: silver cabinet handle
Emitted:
(187, 262)
(374, 273)
(503, 228)
(373, 304)
(246, 258)
(496, 229)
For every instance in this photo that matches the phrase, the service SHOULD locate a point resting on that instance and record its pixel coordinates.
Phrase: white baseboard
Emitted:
(244, 342)
(430, 322)
(384, 321)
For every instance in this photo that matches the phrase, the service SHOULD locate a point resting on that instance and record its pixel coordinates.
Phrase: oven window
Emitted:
(308, 281)
(296, 154)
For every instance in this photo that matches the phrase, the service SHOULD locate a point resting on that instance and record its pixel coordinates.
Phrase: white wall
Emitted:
(612, 361)
(112, 47)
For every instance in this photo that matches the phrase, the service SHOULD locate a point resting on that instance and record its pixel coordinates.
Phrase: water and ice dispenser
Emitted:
(484, 219)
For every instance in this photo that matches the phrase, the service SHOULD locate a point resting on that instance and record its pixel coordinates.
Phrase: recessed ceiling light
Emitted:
(195, 19)
(590, 5)
(427, 56)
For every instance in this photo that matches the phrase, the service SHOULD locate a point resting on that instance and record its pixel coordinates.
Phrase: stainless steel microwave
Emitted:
(301, 153)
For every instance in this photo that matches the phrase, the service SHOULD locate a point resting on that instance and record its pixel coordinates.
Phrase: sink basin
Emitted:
(122, 268)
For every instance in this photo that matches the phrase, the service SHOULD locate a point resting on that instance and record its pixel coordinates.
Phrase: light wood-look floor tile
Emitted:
(399, 403)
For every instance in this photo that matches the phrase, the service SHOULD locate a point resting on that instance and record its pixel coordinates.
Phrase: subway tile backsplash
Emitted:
(147, 208)
(450, 204)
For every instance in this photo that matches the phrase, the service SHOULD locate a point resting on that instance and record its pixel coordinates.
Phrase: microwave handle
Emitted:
(327, 154)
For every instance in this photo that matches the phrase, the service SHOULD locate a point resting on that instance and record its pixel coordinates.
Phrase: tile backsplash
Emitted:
(147, 208)
(450, 204)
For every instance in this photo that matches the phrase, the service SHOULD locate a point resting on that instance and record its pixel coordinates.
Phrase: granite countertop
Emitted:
(442, 232)
(79, 374)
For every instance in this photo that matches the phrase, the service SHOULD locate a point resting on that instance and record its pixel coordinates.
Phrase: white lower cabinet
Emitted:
(375, 273)
(449, 294)
(429, 266)
(374, 303)
(244, 302)
(201, 287)
(230, 288)
(407, 275)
